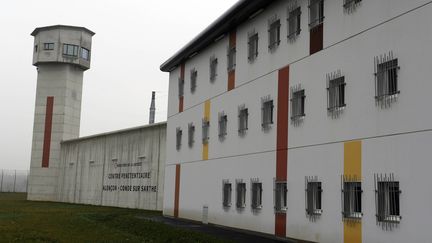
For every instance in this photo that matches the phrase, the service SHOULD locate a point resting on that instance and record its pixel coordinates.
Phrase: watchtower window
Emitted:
(85, 54)
(48, 46)
(70, 50)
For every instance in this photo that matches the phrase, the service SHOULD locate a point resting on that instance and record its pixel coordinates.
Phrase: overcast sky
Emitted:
(133, 37)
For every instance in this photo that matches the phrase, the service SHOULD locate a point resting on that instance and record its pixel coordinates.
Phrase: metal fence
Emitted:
(13, 180)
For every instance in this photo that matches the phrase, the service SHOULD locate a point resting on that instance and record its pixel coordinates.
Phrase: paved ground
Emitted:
(218, 231)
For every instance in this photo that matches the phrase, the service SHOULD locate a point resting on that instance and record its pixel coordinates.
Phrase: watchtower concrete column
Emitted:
(61, 54)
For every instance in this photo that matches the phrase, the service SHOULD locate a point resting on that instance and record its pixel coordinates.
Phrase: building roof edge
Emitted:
(238, 13)
(59, 26)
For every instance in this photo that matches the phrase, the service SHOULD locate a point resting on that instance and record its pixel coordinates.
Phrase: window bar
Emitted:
(293, 13)
(342, 197)
(351, 5)
(377, 202)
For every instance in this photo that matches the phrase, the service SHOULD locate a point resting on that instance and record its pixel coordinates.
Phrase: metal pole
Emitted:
(14, 182)
(1, 185)
(27, 177)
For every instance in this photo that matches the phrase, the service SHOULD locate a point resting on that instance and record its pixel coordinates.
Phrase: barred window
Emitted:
(231, 58)
(335, 92)
(241, 194)
(178, 138)
(313, 197)
(280, 199)
(226, 193)
(351, 198)
(297, 104)
(294, 24)
(253, 46)
(256, 195)
(191, 134)
(350, 5)
(387, 202)
(70, 50)
(181, 87)
(213, 68)
(386, 79)
(193, 80)
(243, 119)
(274, 33)
(316, 13)
(85, 53)
(48, 46)
(223, 121)
(267, 113)
(205, 130)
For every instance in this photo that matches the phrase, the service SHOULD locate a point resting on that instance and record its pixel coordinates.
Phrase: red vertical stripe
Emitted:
(316, 39)
(282, 142)
(181, 98)
(282, 125)
(233, 38)
(280, 224)
(231, 80)
(182, 71)
(48, 129)
(177, 191)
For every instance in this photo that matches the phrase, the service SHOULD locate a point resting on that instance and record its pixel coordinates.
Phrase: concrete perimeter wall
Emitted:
(120, 169)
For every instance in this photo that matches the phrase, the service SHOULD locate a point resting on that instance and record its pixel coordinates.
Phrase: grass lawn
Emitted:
(26, 221)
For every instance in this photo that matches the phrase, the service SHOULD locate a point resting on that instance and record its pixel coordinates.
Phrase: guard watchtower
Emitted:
(61, 54)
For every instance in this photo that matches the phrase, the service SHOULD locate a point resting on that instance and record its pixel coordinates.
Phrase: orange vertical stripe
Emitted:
(47, 134)
(177, 191)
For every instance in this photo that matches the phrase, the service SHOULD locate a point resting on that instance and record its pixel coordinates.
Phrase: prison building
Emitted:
(305, 120)
(120, 168)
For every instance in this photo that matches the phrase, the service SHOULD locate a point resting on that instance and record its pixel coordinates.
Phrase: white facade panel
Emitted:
(393, 138)
(201, 185)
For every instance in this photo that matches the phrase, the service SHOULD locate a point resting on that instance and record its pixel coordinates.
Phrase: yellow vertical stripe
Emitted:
(205, 150)
(207, 109)
(353, 167)
(352, 158)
